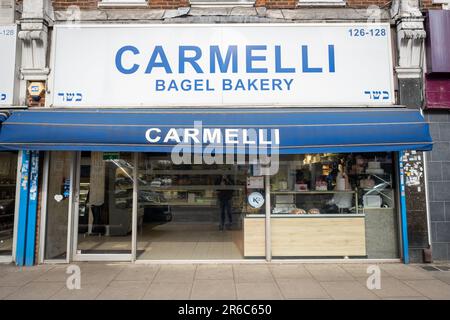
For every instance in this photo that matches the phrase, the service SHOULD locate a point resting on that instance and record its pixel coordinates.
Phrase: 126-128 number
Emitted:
(7, 32)
(378, 32)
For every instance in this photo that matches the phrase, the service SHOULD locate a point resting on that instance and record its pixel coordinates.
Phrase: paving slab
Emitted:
(433, 289)
(441, 275)
(36, 291)
(175, 274)
(213, 290)
(328, 272)
(360, 270)
(6, 291)
(404, 272)
(223, 281)
(124, 290)
(18, 278)
(214, 272)
(252, 273)
(407, 298)
(348, 290)
(86, 292)
(290, 271)
(56, 274)
(138, 273)
(392, 288)
(258, 291)
(301, 289)
(168, 291)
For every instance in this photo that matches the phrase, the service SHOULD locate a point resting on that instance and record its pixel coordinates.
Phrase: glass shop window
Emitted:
(8, 175)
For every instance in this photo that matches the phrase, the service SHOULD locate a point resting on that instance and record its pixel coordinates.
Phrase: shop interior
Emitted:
(8, 175)
(322, 205)
(179, 207)
(346, 205)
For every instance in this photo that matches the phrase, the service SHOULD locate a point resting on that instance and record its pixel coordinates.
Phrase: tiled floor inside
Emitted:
(223, 281)
(173, 241)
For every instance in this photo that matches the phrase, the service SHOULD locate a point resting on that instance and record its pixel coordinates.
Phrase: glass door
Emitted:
(55, 224)
(8, 178)
(103, 225)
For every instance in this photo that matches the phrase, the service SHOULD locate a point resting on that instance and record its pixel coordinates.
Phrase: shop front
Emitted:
(229, 143)
(132, 199)
(8, 159)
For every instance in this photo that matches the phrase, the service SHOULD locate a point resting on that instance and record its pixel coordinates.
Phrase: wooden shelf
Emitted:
(300, 216)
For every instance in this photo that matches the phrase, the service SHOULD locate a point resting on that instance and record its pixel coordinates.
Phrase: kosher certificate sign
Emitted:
(222, 65)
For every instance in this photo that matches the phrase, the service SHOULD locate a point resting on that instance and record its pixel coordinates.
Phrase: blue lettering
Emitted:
(186, 85)
(172, 86)
(227, 84)
(276, 83)
(250, 58)
(182, 59)
(208, 88)
(288, 83)
(278, 67)
(305, 66)
(119, 64)
(160, 85)
(264, 84)
(239, 85)
(198, 85)
(158, 52)
(331, 59)
(215, 55)
(252, 84)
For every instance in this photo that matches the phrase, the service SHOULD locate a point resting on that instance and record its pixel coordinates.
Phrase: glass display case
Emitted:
(163, 183)
(332, 184)
(313, 185)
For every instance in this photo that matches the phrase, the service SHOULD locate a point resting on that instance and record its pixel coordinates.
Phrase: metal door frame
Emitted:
(129, 257)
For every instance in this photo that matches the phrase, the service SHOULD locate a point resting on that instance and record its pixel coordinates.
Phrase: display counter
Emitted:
(321, 235)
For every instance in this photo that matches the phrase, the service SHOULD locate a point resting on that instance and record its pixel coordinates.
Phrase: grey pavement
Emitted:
(106, 281)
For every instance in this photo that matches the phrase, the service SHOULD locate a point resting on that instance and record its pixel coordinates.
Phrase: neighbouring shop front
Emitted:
(436, 109)
(8, 159)
(227, 145)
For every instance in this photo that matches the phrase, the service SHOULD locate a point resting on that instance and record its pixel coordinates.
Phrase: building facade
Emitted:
(91, 185)
(437, 103)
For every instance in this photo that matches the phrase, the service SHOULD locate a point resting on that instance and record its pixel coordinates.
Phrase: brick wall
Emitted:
(428, 4)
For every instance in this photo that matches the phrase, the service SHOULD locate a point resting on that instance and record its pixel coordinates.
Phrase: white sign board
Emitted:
(222, 65)
(8, 38)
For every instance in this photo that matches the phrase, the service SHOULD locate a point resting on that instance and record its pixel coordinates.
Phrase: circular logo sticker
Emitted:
(256, 200)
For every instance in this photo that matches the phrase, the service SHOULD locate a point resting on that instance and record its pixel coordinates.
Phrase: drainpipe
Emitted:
(403, 215)
(27, 213)
(267, 220)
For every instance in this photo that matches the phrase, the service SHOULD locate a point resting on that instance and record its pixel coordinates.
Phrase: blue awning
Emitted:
(293, 130)
(3, 115)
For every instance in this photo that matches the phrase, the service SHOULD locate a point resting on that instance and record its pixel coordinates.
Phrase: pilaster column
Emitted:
(410, 43)
(37, 17)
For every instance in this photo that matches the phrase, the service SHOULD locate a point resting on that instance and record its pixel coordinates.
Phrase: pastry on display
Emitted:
(314, 211)
(298, 211)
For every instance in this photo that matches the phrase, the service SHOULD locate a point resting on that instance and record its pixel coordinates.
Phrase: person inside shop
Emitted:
(224, 196)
